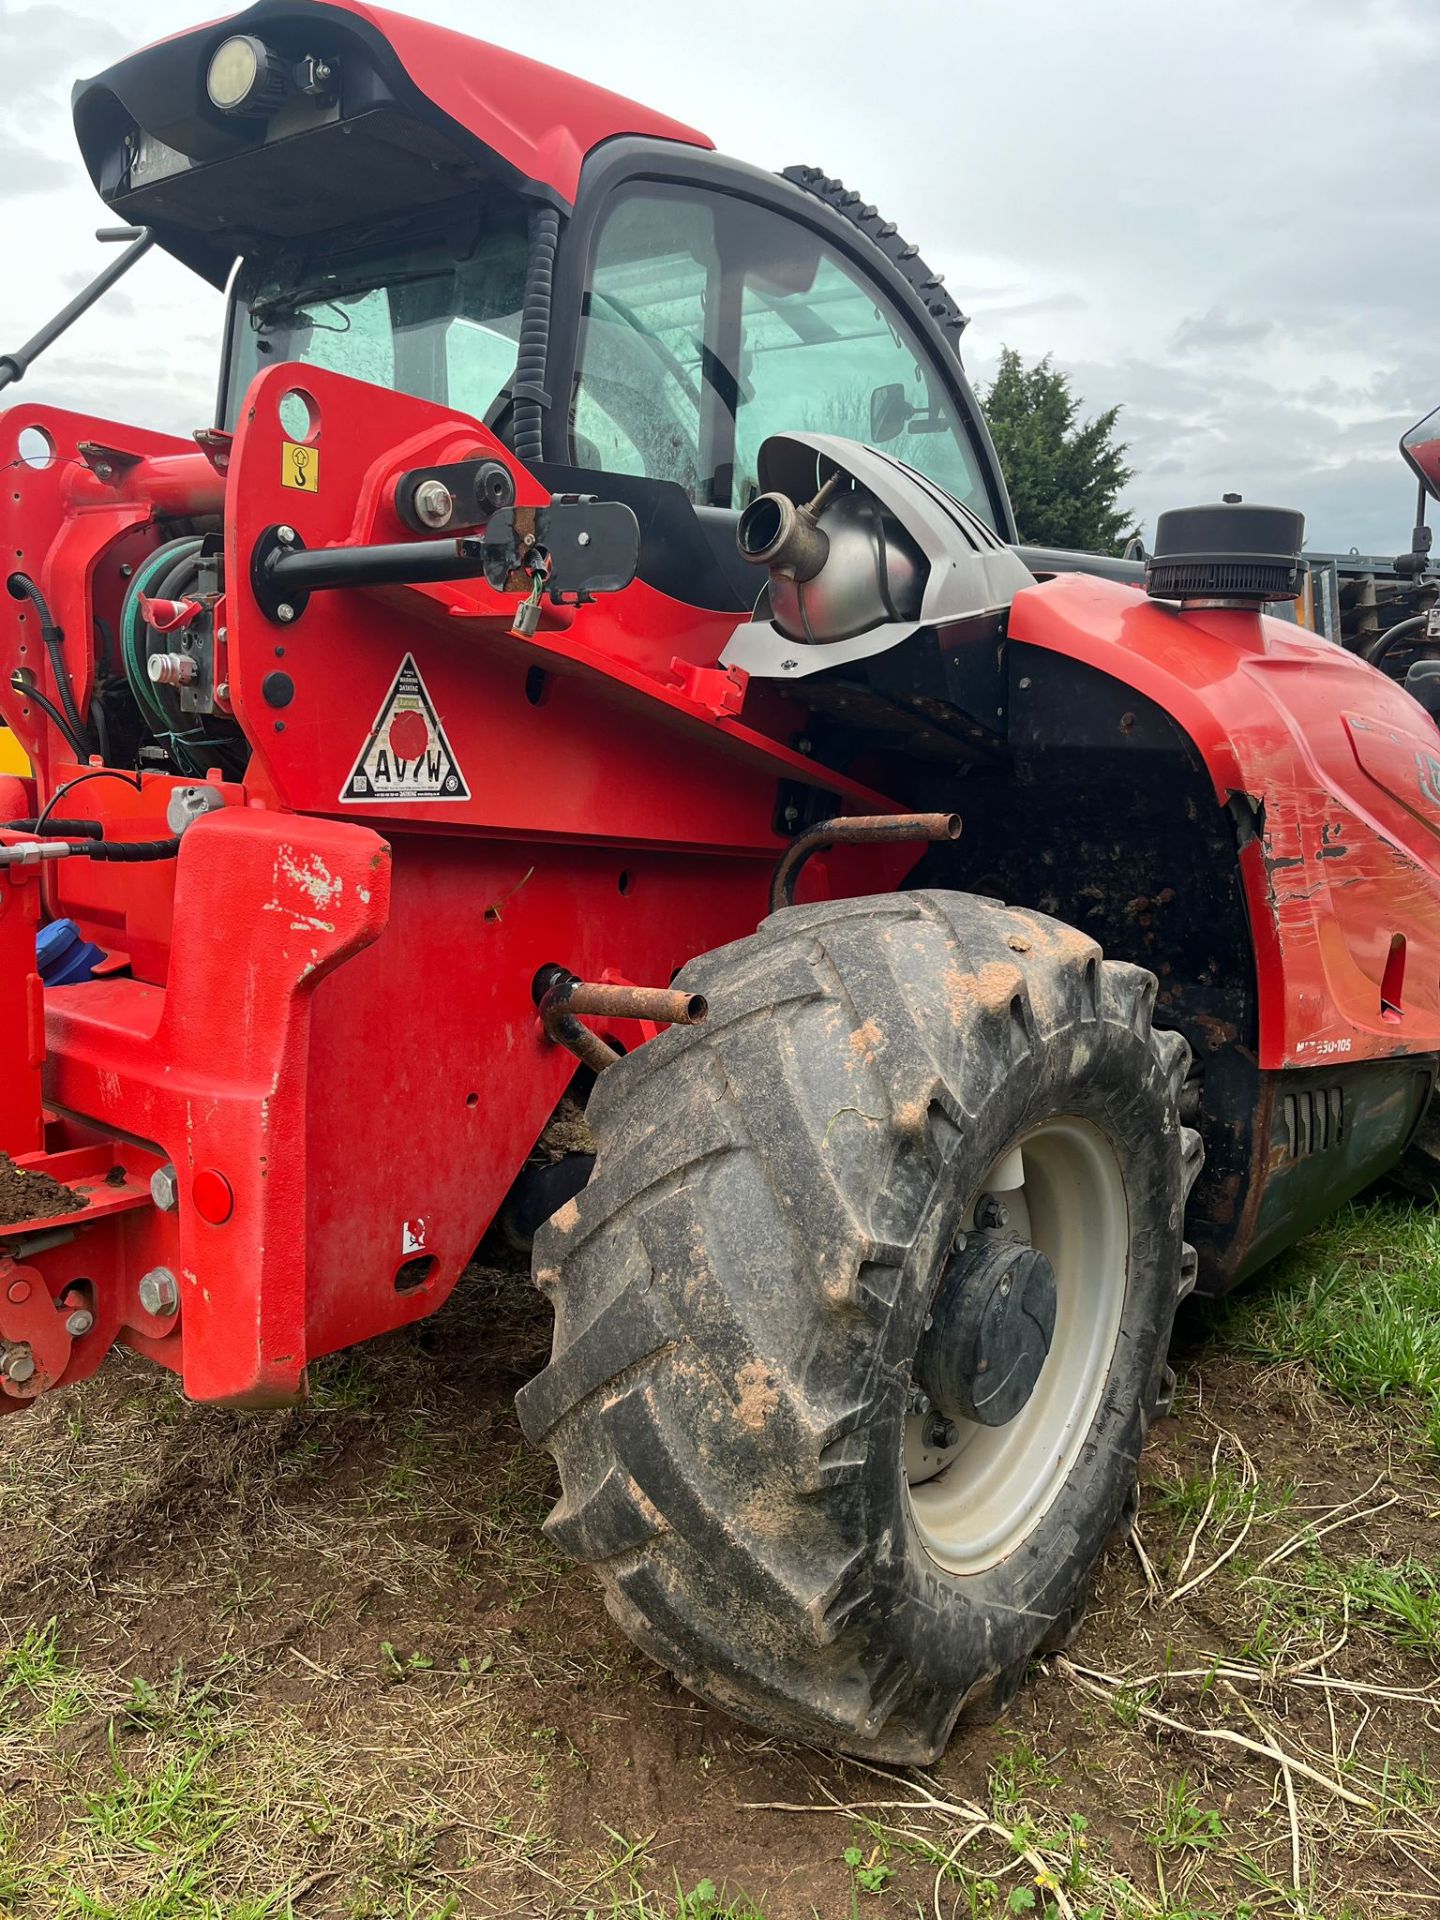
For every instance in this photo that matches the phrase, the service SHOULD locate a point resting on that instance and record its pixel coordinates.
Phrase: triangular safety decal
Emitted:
(406, 757)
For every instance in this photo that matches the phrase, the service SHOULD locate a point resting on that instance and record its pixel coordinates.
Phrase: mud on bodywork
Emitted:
(1103, 814)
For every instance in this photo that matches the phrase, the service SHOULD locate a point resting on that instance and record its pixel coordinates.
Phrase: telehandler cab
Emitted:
(410, 749)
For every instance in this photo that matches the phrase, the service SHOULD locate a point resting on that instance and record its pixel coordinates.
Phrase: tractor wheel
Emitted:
(862, 1317)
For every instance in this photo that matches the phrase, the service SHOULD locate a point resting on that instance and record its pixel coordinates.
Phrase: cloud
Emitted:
(25, 168)
(40, 47)
(1030, 309)
(1218, 221)
(1205, 331)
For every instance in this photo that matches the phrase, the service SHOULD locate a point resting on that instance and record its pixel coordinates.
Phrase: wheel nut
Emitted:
(991, 1213)
(434, 503)
(918, 1401)
(159, 1293)
(165, 1188)
(79, 1323)
(17, 1364)
(941, 1432)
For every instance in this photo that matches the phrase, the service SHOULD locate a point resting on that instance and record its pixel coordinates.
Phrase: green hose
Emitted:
(134, 647)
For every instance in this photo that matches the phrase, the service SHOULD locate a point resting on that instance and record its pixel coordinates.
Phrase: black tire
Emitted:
(740, 1290)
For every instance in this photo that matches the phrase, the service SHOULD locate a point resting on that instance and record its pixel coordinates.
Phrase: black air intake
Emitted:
(1229, 552)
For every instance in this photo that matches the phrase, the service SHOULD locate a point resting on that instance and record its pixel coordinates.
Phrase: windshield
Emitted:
(437, 315)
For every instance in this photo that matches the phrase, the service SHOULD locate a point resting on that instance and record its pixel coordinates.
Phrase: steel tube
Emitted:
(562, 997)
(661, 1004)
(855, 830)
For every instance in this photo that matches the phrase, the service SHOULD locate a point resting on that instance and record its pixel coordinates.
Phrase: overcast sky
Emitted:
(1221, 216)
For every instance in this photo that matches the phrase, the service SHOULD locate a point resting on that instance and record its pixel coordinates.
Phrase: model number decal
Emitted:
(1323, 1046)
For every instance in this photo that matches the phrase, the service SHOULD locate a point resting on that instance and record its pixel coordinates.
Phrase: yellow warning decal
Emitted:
(300, 466)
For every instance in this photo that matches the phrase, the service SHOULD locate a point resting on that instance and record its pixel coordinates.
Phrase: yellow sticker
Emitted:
(300, 466)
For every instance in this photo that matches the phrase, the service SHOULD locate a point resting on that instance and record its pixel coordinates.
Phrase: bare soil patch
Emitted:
(324, 1663)
(32, 1196)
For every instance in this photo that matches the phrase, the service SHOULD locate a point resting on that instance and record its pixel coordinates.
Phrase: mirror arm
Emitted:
(14, 366)
(1411, 565)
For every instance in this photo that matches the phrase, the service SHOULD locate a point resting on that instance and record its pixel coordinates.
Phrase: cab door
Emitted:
(703, 305)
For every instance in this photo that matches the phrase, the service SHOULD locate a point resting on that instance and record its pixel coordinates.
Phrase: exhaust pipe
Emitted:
(773, 532)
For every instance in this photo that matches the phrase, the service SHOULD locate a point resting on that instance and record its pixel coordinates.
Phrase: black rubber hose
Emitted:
(80, 748)
(22, 587)
(99, 724)
(62, 829)
(109, 658)
(533, 351)
(132, 849)
(1399, 631)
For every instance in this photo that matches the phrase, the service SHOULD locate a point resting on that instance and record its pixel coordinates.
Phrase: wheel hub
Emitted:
(990, 1330)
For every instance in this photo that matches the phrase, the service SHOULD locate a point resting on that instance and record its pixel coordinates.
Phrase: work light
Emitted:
(246, 77)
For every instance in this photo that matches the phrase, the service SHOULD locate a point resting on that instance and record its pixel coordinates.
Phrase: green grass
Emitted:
(1399, 1604)
(36, 1678)
(170, 1807)
(1183, 1823)
(1359, 1304)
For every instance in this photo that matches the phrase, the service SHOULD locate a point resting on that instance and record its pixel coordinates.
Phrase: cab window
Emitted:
(831, 357)
(711, 323)
(640, 405)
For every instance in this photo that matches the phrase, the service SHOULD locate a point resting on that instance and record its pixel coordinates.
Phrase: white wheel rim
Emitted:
(976, 1501)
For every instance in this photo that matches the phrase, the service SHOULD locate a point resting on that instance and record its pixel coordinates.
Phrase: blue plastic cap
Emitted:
(62, 957)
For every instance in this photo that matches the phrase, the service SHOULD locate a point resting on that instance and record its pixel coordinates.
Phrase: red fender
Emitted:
(1342, 772)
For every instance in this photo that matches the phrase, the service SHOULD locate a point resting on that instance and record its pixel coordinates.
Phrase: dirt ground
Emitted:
(32, 1196)
(325, 1664)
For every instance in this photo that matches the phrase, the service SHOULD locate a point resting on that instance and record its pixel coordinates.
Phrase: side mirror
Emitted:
(890, 413)
(1421, 448)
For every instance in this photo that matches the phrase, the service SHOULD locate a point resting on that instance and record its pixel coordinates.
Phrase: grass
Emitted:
(1358, 1306)
(324, 1665)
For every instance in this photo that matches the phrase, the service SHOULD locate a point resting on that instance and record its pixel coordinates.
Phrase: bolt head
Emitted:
(582, 539)
(79, 1323)
(286, 536)
(165, 1188)
(18, 1364)
(285, 613)
(991, 1213)
(434, 503)
(159, 1293)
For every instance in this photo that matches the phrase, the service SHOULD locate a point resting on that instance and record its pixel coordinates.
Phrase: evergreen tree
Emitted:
(1064, 477)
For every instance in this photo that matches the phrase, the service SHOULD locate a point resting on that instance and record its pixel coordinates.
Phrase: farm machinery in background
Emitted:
(958, 955)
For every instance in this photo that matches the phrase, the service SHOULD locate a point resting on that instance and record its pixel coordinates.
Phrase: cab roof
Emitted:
(427, 112)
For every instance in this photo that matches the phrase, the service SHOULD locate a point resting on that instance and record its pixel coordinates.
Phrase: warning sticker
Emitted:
(299, 467)
(407, 756)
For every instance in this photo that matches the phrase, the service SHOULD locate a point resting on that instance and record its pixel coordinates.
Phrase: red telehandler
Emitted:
(531, 687)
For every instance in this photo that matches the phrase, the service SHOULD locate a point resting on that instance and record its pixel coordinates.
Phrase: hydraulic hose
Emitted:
(528, 387)
(60, 829)
(1400, 631)
(80, 748)
(22, 587)
(167, 569)
(33, 853)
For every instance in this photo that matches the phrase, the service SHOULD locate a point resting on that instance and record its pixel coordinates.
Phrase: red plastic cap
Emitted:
(212, 1196)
